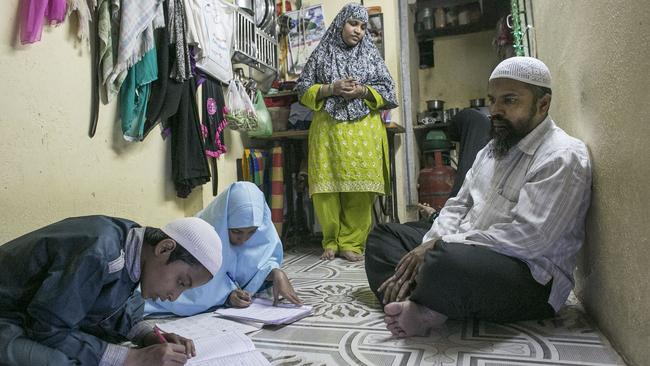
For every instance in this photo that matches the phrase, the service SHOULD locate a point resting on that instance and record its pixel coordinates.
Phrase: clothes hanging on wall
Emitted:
(107, 26)
(176, 15)
(134, 96)
(189, 164)
(34, 13)
(165, 91)
(213, 117)
(138, 19)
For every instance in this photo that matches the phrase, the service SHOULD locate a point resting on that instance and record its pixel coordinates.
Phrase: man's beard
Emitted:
(503, 139)
(508, 136)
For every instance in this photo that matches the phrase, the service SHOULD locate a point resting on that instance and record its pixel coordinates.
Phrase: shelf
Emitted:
(430, 126)
(283, 93)
(492, 10)
(457, 30)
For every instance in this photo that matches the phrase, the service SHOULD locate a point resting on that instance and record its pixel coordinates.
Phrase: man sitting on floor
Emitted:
(67, 290)
(504, 249)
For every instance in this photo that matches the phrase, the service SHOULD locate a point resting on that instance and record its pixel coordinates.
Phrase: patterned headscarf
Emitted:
(333, 59)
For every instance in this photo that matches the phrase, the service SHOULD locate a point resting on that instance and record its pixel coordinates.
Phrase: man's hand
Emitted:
(398, 286)
(163, 354)
(239, 299)
(282, 288)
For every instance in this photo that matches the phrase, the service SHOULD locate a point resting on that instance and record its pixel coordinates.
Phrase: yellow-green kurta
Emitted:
(347, 156)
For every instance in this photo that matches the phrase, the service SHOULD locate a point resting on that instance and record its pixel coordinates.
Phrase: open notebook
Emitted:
(263, 311)
(227, 348)
(218, 341)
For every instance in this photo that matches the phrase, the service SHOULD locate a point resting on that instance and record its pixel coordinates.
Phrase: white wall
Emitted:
(49, 167)
(463, 64)
(598, 55)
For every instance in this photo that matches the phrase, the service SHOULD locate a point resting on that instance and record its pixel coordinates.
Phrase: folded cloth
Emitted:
(299, 112)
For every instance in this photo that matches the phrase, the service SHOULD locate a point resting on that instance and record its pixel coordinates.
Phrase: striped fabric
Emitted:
(254, 169)
(245, 165)
(265, 169)
(277, 188)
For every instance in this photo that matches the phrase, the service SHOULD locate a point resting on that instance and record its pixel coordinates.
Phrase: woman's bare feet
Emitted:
(351, 256)
(426, 210)
(328, 254)
(406, 318)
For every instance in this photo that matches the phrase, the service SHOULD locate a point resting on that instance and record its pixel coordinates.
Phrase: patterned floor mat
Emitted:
(347, 329)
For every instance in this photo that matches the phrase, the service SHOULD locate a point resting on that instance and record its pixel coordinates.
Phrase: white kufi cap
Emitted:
(528, 70)
(199, 238)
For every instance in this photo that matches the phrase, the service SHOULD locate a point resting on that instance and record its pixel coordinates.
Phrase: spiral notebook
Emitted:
(263, 311)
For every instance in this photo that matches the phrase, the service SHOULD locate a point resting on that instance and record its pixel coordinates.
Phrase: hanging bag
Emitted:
(264, 123)
(240, 112)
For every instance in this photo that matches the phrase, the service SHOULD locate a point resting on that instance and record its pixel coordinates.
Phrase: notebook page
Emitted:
(203, 325)
(220, 345)
(252, 358)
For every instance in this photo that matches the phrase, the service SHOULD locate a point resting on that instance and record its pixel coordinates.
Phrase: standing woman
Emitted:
(252, 255)
(346, 83)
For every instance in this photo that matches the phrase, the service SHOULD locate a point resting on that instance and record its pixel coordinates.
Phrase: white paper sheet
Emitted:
(203, 325)
(262, 310)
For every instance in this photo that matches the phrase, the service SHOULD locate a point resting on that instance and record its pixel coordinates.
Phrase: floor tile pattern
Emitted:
(347, 329)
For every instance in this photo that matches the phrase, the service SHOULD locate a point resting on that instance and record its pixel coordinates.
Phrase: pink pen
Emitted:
(156, 330)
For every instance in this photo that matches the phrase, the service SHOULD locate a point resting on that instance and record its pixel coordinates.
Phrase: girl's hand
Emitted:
(282, 288)
(239, 299)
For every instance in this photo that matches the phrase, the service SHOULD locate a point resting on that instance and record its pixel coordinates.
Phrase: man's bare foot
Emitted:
(351, 256)
(328, 254)
(425, 210)
(406, 318)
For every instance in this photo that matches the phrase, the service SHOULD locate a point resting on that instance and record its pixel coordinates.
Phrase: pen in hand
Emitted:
(156, 330)
(241, 294)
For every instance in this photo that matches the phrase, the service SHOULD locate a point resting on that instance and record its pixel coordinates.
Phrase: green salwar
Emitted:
(348, 167)
(345, 218)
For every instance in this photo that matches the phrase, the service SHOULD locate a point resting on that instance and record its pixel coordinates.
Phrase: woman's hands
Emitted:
(349, 88)
(282, 287)
(398, 286)
(239, 299)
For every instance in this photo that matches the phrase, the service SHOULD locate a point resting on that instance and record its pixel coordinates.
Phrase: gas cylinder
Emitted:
(435, 183)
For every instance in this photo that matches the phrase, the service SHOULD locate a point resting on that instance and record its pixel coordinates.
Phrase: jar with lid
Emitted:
(451, 16)
(463, 15)
(439, 15)
(426, 19)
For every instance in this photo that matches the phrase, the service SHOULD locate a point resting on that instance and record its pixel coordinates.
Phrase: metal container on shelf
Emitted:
(451, 16)
(477, 103)
(435, 104)
(427, 19)
(440, 19)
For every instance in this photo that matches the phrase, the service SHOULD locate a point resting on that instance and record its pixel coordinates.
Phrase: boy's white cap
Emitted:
(199, 238)
(528, 70)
